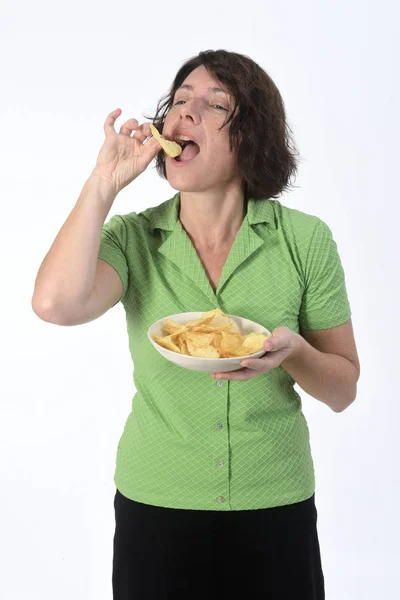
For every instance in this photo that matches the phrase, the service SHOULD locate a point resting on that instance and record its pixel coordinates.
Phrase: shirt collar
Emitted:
(165, 216)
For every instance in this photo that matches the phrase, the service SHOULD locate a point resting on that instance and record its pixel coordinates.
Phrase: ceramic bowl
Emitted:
(206, 365)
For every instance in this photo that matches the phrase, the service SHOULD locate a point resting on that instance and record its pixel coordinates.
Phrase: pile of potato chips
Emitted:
(214, 335)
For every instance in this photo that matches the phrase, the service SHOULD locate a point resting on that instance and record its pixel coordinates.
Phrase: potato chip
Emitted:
(185, 348)
(206, 328)
(171, 148)
(167, 343)
(253, 341)
(225, 322)
(230, 341)
(202, 351)
(199, 339)
(182, 329)
(171, 326)
(217, 339)
(206, 318)
(235, 353)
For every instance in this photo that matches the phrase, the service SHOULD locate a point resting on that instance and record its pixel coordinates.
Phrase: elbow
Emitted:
(39, 309)
(46, 313)
(338, 408)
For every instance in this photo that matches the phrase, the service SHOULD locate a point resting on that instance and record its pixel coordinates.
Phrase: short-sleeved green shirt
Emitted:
(192, 442)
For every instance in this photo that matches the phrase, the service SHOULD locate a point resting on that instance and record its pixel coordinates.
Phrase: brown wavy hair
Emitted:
(266, 152)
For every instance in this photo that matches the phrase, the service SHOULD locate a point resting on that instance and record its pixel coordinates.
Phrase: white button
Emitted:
(219, 383)
(221, 498)
(220, 463)
(219, 426)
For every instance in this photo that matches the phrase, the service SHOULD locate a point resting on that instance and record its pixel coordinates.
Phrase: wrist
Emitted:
(103, 186)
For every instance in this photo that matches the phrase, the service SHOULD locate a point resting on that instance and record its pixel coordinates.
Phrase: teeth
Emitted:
(183, 140)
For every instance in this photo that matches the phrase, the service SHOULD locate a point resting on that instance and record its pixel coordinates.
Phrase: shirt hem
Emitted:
(223, 507)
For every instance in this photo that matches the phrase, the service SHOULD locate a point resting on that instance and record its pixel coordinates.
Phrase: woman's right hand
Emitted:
(123, 156)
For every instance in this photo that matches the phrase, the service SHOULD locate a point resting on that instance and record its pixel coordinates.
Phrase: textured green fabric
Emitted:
(193, 442)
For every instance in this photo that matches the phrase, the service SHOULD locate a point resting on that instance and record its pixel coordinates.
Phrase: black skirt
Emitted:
(175, 554)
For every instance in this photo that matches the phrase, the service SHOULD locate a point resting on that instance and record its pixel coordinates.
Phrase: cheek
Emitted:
(219, 147)
(223, 141)
(168, 120)
(223, 154)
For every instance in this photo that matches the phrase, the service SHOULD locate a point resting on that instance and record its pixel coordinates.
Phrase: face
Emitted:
(199, 111)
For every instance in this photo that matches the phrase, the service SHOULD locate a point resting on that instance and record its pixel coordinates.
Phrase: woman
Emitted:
(214, 475)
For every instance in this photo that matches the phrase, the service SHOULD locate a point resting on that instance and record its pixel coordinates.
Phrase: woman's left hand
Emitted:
(278, 347)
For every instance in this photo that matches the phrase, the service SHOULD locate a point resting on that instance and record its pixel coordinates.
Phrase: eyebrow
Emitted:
(217, 90)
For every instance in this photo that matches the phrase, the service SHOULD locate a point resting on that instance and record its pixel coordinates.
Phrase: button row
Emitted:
(220, 463)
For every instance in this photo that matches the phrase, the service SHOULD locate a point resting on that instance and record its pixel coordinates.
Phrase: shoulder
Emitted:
(162, 216)
(134, 222)
(294, 220)
(119, 227)
(303, 229)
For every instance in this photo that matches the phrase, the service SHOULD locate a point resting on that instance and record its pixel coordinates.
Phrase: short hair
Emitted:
(266, 152)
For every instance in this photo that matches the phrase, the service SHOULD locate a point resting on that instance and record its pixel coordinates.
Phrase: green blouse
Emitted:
(193, 442)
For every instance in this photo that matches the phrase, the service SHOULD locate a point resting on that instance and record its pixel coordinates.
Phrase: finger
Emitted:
(266, 362)
(110, 121)
(142, 132)
(129, 126)
(257, 364)
(240, 375)
(270, 344)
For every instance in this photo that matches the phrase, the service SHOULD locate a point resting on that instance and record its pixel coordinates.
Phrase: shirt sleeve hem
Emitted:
(327, 324)
(104, 257)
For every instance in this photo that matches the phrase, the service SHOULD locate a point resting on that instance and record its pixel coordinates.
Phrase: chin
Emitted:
(184, 182)
(186, 186)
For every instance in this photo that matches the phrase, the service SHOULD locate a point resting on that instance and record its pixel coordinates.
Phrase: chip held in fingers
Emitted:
(213, 335)
(171, 148)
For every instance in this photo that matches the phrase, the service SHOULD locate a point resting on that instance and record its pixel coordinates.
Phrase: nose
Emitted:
(190, 110)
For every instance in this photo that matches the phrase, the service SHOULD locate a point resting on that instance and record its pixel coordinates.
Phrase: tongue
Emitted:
(190, 151)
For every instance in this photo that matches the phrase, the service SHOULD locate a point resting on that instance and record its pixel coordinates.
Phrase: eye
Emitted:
(217, 105)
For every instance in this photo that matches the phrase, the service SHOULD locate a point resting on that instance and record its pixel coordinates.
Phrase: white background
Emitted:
(66, 391)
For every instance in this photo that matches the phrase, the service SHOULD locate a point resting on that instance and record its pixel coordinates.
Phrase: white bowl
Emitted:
(206, 365)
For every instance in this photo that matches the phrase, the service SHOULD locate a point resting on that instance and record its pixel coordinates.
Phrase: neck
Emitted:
(212, 218)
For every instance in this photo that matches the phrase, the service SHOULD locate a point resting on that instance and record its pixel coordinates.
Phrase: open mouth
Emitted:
(189, 151)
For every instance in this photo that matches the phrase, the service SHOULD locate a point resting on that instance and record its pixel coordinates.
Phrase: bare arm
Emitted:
(66, 276)
(73, 286)
(325, 364)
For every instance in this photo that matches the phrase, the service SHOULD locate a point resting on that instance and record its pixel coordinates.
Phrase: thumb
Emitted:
(150, 150)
